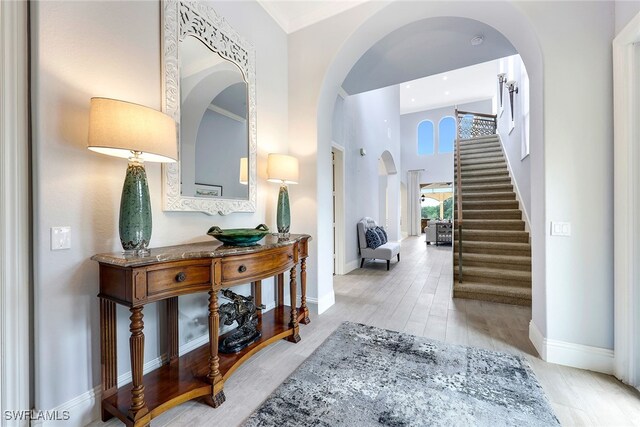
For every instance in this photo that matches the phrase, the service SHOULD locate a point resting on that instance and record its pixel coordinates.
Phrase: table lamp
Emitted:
(122, 129)
(283, 169)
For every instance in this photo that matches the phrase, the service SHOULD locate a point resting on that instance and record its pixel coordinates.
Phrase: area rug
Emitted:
(366, 376)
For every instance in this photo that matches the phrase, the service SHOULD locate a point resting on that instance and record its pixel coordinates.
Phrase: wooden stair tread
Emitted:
(503, 179)
(489, 213)
(493, 224)
(470, 189)
(491, 195)
(489, 204)
(479, 138)
(495, 272)
(497, 158)
(501, 245)
(481, 154)
(495, 293)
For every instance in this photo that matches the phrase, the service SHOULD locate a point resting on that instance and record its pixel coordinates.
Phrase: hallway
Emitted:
(415, 297)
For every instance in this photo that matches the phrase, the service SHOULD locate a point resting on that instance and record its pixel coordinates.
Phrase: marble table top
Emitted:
(211, 249)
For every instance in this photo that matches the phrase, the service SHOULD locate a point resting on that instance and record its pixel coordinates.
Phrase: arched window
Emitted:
(446, 134)
(425, 138)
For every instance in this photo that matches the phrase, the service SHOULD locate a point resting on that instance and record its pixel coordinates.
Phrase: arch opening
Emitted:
(380, 21)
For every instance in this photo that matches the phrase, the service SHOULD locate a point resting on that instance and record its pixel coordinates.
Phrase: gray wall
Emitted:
(220, 144)
(437, 167)
(370, 120)
(625, 10)
(112, 49)
(512, 138)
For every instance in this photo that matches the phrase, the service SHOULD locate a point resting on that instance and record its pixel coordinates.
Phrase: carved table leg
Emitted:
(295, 337)
(172, 328)
(108, 352)
(217, 397)
(280, 285)
(138, 412)
(303, 288)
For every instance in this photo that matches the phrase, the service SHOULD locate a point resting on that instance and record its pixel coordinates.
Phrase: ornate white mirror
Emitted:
(209, 89)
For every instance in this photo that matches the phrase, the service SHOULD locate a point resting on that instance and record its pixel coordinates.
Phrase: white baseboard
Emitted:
(569, 354)
(326, 301)
(85, 408)
(350, 266)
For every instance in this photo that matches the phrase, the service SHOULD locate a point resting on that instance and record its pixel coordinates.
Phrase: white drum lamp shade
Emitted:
(282, 168)
(118, 128)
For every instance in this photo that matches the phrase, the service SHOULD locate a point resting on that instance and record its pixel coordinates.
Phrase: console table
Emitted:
(178, 270)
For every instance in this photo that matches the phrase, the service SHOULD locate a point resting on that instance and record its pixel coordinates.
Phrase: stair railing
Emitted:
(472, 125)
(468, 125)
(458, 196)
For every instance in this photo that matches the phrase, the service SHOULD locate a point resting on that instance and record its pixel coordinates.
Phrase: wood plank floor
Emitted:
(415, 297)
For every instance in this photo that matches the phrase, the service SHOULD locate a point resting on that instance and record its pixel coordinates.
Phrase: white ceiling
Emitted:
(467, 84)
(424, 48)
(293, 15)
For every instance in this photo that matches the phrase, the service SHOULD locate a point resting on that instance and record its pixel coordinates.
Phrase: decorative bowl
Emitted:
(239, 236)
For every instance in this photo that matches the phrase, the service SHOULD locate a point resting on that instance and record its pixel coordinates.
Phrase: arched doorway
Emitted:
(327, 71)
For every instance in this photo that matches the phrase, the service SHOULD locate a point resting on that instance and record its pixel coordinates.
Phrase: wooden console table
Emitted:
(178, 270)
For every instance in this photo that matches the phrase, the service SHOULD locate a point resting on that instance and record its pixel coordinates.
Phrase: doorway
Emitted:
(337, 190)
(626, 102)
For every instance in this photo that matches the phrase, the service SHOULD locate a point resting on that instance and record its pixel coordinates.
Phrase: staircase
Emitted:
(495, 248)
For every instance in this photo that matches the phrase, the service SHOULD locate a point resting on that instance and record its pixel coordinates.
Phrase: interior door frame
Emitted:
(340, 239)
(626, 109)
(15, 216)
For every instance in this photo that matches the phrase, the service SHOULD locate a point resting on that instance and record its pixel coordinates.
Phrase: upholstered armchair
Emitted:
(385, 251)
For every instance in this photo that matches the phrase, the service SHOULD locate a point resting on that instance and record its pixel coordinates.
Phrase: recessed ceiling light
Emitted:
(446, 92)
(477, 40)
(408, 86)
(385, 120)
(444, 77)
(413, 99)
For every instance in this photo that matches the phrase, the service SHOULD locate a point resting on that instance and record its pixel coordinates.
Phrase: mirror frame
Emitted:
(192, 18)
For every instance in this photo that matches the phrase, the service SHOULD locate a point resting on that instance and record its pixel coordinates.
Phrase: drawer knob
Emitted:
(290, 256)
(242, 269)
(181, 277)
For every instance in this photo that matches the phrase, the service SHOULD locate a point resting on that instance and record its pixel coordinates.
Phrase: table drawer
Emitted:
(255, 267)
(178, 277)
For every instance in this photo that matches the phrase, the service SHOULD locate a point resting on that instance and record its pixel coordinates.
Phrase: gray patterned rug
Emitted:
(366, 376)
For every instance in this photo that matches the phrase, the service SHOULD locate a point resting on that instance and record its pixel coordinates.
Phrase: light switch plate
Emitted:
(60, 238)
(560, 228)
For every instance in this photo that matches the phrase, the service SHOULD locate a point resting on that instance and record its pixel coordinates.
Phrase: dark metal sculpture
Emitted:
(243, 310)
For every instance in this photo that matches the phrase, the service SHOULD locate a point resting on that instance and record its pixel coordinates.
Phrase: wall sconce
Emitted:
(502, 78)
(513, 88)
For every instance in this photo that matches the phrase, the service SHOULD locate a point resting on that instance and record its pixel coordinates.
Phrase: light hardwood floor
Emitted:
(415, 297)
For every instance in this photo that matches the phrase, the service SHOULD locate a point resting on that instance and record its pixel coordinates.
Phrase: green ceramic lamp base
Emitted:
(283, 217)
(135, 210)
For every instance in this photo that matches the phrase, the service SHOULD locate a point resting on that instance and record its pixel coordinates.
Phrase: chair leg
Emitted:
(388, 264)
(362, 263)
(398, 257)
